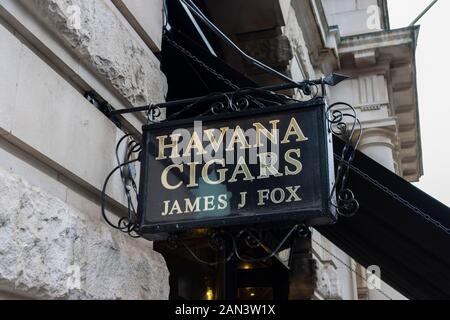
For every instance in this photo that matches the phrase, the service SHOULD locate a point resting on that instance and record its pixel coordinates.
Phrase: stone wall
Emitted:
(107, 45)
(56, 149)
(44, 241)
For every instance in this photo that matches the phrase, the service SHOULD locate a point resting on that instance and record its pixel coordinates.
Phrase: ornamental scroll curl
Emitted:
(345, 203)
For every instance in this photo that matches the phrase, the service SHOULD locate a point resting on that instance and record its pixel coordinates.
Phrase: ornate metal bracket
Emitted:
(236, 101)
(240, 241)
(346, 205)
(307, 88)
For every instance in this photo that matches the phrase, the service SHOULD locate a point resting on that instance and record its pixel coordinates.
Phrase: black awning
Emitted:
(412, 252)
(186, 60)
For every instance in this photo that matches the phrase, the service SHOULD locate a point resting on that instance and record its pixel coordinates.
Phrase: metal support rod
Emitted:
(176, 103)
(423, 13)
(330, 80)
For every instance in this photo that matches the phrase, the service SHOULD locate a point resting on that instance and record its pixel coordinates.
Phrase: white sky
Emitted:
(433, 67)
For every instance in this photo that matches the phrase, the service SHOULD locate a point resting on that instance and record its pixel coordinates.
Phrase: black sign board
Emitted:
(249, 167)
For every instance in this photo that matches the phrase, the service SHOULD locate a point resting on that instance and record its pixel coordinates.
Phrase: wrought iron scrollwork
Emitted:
(235, 102)
(153, 113)
(252, 241)
(243, 240)
(129, 223)
(345, 203)
(220, 103)
(310, 88)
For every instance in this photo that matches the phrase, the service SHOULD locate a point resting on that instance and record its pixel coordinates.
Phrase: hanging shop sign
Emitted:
(249, 167)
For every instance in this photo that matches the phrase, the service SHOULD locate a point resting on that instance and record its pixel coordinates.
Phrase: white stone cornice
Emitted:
(389, 54)
(390, 38)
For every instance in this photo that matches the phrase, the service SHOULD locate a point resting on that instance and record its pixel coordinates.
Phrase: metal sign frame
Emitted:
(319, 215)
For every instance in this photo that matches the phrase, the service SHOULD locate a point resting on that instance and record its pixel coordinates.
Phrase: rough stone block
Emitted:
(128, 65)
(50, 250)
(10, 56)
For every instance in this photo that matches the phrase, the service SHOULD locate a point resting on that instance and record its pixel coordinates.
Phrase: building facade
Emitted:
(56, 147)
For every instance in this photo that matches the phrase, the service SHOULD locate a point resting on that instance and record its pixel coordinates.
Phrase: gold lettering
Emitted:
(272, 136)
(293, 194)
(263, 195)
(273, 197)
(289, 159)
(294, 129)
(209, 203)
(162, 146)
(238, 137)
(221, 172)
(223, 203)
(194, 143)
(192, 171)
(164, 180)
(268, 160)
(192, 207)
(175, 208)
(212, 138)
(166, 208)
(241, 168)
(243, 200)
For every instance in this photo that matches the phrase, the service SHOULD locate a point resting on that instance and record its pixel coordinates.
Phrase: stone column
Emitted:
(379, 144)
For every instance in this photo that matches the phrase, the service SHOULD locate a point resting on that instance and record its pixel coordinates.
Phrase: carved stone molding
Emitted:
(105, 44)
